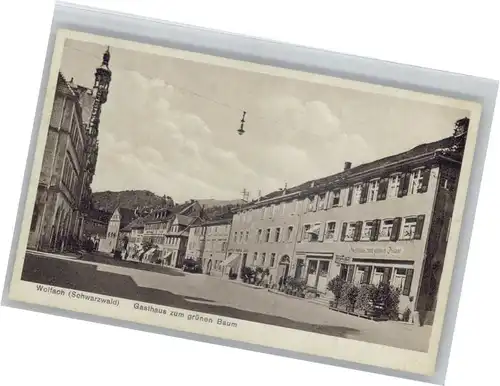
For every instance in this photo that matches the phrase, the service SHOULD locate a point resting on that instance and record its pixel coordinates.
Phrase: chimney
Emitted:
(347, 166)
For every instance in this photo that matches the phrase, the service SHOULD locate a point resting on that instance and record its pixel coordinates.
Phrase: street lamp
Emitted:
(241, 131)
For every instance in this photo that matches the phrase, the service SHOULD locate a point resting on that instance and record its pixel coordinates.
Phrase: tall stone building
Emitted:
(69, 161)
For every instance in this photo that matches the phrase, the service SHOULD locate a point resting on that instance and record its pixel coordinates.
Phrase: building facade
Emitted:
(68, 165)
(164, 238)
(196, 243)
(208, 243)
(114, 237)
(384, 221)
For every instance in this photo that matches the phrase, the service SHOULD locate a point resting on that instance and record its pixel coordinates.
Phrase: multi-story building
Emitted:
(214, 256)
(166, 233)
(68, 165)
(134, 232)
(196, 243)
(387, 220)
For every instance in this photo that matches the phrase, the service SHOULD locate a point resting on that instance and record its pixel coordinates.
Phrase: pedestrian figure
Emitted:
(281, 283)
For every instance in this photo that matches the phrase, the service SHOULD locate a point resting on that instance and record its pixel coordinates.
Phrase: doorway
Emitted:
(284, 266)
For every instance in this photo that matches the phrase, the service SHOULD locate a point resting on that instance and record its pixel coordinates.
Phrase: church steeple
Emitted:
(101, 88)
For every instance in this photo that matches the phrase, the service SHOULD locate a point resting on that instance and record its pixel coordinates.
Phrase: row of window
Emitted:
(396, 185)
(150, 228)
(160, 240)
(69, 175)
(264, 260)
(407, 228)
(216, 246)
(111, 234)
(391, 229)
(366, 274)
(211, 229)
(76, 139)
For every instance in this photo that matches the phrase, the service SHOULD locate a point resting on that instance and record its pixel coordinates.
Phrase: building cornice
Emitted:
(344, 179)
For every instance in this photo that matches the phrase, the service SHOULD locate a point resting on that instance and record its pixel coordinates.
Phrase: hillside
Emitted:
(210, 203)
(129, 199)
(132, 199)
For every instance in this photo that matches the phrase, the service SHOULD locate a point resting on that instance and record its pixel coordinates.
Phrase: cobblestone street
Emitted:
(219, 296)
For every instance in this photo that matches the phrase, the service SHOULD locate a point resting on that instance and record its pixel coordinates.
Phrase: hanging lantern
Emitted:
(241, 131)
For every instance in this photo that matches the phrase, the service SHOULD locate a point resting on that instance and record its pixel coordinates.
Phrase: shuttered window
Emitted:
(375, 230)
(396, 226)
(349, 195)
(424, 184)
(344, 232)
(364, 193)
(408, 281)
(404, 184)
(419, 227)
(382, 189)
(358, 230)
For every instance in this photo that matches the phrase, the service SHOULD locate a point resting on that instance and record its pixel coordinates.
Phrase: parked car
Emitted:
(191, 265)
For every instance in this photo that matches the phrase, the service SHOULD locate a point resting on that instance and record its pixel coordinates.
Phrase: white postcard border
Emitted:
(251, 332)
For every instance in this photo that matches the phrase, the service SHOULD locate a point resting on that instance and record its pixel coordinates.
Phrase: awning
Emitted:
(231, 261)
(315, 229)
(149, 252)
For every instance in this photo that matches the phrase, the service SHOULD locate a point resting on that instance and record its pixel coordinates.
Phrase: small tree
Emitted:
(388, 297)
(335, 286)
(367, 297)
(348, 296)
(352, 295)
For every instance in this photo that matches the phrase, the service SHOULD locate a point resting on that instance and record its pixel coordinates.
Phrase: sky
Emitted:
(169, 126)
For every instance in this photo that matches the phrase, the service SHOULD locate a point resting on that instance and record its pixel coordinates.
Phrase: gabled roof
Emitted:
(63, 85)
(134, 224)
(185, 220)
(166, 213)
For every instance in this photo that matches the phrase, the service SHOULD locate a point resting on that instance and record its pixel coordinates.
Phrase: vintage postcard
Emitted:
(246, 202)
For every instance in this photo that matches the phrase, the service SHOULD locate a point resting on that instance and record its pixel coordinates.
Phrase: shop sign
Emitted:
(341, 259)
(376, 251)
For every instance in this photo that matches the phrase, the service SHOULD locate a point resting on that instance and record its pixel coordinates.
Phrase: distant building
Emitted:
(166, 232)
(134, 232)
(208, 243)
(196, 243)
(119, 220)
(383, 221)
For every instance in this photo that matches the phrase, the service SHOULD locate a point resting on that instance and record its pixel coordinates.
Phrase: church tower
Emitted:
(101, 88)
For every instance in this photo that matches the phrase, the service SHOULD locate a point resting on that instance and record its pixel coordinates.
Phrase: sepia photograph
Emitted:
(245, 202)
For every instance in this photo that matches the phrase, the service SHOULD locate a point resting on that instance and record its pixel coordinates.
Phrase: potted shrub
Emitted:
(335, 286)
(366, 298)
(348, 296)
(388, 300)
